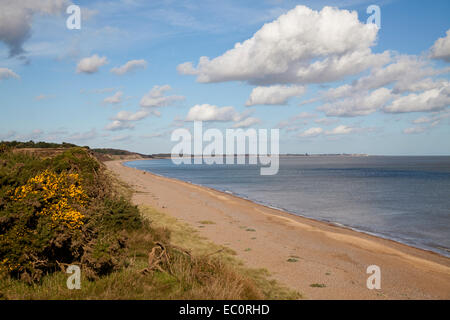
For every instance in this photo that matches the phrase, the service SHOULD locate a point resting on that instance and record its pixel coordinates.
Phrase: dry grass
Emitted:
(192, 268)
(187, 237)
(205, 271)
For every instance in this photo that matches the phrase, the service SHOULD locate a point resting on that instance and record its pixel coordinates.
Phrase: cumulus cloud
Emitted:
(207, 112)
(114, 99)
(128, 116)
(305, 115)
(358, 105)
(406, 75)
(311, 132)
(434, 119)
(248, 122)
(117, 125)
(342, 129)
(429, 100)
(274, 95)
(156, 97)
(339, 130)
(6, 73)
(187, 68)
(301, 46)
(130, 66)
(414, 130)
(326, 121)
(399, 72)
(422, 120)
(91, 64)
(125, 120)
(421, 85)
(16, 20)
(441, 48)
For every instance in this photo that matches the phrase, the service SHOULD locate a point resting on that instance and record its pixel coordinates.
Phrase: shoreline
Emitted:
(343, 251)
(331, 223)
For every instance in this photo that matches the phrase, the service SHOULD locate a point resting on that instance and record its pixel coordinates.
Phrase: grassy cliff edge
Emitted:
(63, 209)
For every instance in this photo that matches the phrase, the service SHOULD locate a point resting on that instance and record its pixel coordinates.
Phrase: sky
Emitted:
(330, 80)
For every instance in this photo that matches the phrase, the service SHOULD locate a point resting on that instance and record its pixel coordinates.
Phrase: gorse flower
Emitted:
(59, 194)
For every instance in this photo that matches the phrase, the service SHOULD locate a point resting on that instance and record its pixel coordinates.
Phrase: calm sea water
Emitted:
(401, 198)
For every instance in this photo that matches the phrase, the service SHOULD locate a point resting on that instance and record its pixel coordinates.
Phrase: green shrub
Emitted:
(61, 210)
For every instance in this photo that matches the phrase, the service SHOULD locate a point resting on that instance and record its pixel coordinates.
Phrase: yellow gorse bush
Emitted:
(59, 193)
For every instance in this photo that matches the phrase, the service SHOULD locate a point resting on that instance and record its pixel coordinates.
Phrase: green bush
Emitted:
(42, 230)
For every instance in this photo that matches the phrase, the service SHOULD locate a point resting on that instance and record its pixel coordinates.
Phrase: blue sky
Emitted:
(329, 82)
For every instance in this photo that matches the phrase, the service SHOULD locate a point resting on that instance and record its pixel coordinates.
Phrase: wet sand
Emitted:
(318, 253)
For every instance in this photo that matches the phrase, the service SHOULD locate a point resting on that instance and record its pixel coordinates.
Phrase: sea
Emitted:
(402, 198)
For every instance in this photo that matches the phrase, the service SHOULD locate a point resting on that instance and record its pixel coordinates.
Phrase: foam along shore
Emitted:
(320, 260)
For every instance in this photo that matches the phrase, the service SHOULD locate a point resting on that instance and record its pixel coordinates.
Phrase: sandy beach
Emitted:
(318, 253)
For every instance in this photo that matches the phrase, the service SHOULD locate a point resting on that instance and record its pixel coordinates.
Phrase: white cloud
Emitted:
(274, 95)
(16, 20)
(91, 64)
(342, 129)
(114, 99)
(326, 121)
(128, 116)
(434, 119)
(301, 46)
(207, 112)
(6, 73)
(305, 115)
(117, 125)
(311, 132)
(248, 122)
(187, 69)
(124, 119)
(420, 85)
(131, 65)
(156, 97)
(441, 48)
(339, 130)
(414, 130)
(358, 105)
(422, 120)
(398, 72)
(429, 100)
